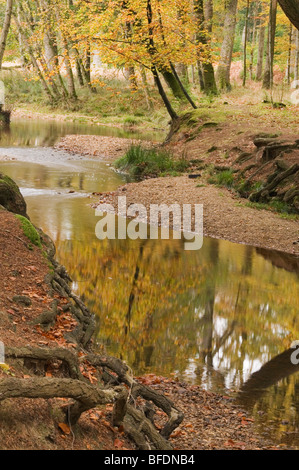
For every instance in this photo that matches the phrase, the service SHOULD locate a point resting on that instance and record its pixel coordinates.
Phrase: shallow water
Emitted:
(211, 317)
(45, 133)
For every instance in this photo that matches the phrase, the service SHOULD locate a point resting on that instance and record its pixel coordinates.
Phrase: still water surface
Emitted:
(213, 317)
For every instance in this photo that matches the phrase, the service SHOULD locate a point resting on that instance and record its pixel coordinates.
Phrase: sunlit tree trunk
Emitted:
(223, 71)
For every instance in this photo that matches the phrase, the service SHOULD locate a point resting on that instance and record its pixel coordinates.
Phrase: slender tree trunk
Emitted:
(289, 55)
(5, 29)
(67, 62)
(131, 77)
(253, 41)
(87, 64)
(152, 51)
(21, 45)
(79, 72)
(182, 87)
(34, 61)
(261, 50)
(245, 44)
(223, 71)
(168, 75)
(200, 76)
(208, 73)
(268, 74)
(146, 88)
(296, 71)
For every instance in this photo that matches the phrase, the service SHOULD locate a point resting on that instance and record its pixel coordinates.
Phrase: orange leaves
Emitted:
(64, 322)
(235, 444)
(89, 372)
(64, 428)
(118, 444)
(151, 379)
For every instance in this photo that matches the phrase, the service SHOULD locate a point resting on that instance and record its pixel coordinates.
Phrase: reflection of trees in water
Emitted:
(32, 133)
(278, 368)
(179, 301)
(272, 394)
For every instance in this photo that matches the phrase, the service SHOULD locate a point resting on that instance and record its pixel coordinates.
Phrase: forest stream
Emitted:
(212, 317)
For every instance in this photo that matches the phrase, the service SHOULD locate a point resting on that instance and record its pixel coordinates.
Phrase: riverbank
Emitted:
(26, 296)
(211, 421)
(104, 148)
(225, 215)
(213, 141)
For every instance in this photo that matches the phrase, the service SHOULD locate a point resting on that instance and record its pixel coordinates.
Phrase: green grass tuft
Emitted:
(224, 178)
(140, 163)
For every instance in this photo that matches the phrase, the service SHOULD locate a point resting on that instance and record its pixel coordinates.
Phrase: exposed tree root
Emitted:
(275, 182)
(118, 387)
(86, 396)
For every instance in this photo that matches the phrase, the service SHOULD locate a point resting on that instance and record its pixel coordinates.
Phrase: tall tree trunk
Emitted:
(208, 73)
(296, 71)
(261, 50)
(182, 86)
(131, 77)
(245, 44)
(223, 71)
(34, 61)
(268, 75)
(21, 45)
(152, 51)
(200, 76)
(5, 29)
(146, 88)
(170, 78)
(289, 55)
(67, 62)
(253, 40)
